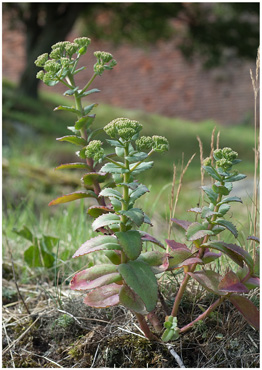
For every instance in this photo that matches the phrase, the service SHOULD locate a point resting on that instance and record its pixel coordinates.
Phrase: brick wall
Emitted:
(158, 80)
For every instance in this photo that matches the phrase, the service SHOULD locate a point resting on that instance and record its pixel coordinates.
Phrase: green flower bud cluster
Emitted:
(156, 143)
(103, 58)
(123, 128)
(207, 161)
(94, 150)
(225, 157)
(60, 59)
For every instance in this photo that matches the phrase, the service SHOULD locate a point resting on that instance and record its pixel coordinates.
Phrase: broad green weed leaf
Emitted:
(109, 192)
(91, 178)
(84, 280)
(78, 165)
(212, 172)
(197, 231)
(131, 300)
(68, 109)
(73, 139)
(228, 225)
(135, 215)
(184, 224)
(212, 196)
(84, 121)
(105, 220)
(96, 211)
(25, 233)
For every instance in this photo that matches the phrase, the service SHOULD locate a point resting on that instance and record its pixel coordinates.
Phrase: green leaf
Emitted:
(207, 212)
(149, 238)
(140, 278)
(182, 223)
(102, 297)
(197, 231)
(73, 139)
(68, 109)
(73, 196)
(109, 192)
(35, 256)
(235, 178)
(212, 196)
(115, 143)
(212, 172)
(131, 300)
(113, 256)
(209, 280)
(158, 261)
(98, 243)
(116, 204)
(138, 192)
(220, 189)
(246, 308)
(136, 215)
(223, 209)
(227, 224)
(70, 91)
(105, 220)
(84, 121)
(88, 108)
(113, 168)
(142, 167)
(131, 243)
(229, 199)
(137, 157)
(86, 93)
(72, 165)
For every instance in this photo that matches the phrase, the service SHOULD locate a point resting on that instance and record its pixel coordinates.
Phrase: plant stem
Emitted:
(143, 325)
(203, 315)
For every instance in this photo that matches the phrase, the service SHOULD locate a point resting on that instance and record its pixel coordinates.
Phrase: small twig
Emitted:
(176, 356)
(130, 332)
(69, 314)
(94, 360)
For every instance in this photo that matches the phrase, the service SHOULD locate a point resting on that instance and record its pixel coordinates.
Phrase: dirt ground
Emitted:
(60, 331)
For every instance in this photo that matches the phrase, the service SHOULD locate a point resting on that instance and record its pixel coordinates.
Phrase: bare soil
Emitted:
(61, 331)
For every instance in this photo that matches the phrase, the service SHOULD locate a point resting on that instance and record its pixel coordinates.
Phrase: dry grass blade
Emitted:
(44, 357)
(8, 341)
(212, 145)
(255, 205)
(171, 205)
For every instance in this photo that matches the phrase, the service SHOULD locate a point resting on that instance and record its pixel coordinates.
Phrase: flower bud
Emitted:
(94, 150)
(40, 75)
(41, 60)
(123, 128)
(160, 144)
(144, 143)
(207, 161)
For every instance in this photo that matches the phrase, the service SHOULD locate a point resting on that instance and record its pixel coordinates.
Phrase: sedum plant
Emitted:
(130, 277)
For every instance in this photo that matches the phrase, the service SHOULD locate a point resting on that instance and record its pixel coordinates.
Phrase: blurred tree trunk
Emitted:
(45, 25)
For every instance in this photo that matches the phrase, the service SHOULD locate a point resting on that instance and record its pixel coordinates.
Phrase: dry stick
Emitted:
(180, 186)
(8, 341)
(172, 200)
(201, 168)
(212, 148)
(13, 269)
(176, 356)
(218, 137)
(44, 357)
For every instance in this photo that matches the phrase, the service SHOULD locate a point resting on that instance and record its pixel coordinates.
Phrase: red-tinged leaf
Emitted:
(96, 211)
(73, 139)
(92, 177)
(175, 245)
(105, 296)
(184, 224)
(177, 257)
(149, 238)
(231, 283)
(236, 253)
(209, 280)
(252, 283)
(73, 196)
(158, 261)
(210, 256)
(79, 282)
(98, 243)
(72, 165)
(90, 274)
(191, 261)
(131, 300)
(246, 308)
(254, 238)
